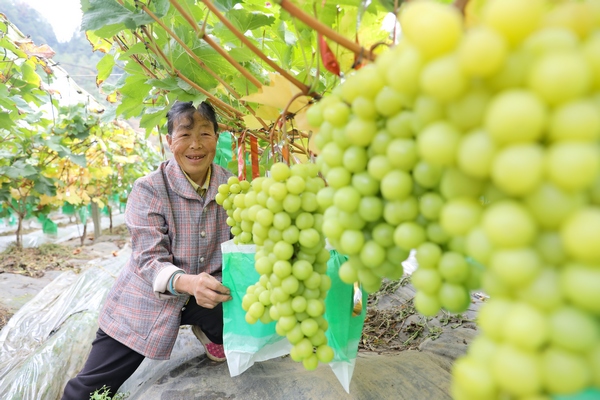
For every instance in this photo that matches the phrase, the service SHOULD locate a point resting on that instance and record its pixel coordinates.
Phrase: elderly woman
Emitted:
(173, 275)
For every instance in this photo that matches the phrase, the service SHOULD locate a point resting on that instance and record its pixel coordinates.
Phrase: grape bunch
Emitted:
(231, 196)
(283, 216)
(479, 147)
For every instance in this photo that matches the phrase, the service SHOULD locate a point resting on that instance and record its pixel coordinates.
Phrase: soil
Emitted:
(70, 255)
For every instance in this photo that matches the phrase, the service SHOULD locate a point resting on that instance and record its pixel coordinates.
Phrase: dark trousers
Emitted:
(111, 363)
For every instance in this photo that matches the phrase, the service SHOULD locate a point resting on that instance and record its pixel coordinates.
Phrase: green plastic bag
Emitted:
(49, 227)
(246, 344)
(590, 394)
(223, 154)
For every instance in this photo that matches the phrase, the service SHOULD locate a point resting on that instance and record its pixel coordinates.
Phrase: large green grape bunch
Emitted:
(282, 217)
(480, 146)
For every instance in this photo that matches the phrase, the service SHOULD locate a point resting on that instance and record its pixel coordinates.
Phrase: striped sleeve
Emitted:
(145, 219)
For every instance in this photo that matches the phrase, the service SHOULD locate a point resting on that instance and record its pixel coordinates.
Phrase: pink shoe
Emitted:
(213, 351)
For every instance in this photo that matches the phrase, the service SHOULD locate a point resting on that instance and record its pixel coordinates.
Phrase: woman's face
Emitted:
(193, 143)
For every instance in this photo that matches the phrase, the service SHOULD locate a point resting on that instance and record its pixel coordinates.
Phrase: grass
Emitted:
(104, 394)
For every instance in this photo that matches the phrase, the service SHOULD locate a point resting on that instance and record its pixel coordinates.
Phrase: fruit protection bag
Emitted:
(246, 344)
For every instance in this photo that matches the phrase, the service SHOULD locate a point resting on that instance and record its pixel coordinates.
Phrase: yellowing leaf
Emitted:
(267, 113)
(97, 42)
(15, 193)
(278, 94)
(251, 122)
(44, 199)
(73, 198)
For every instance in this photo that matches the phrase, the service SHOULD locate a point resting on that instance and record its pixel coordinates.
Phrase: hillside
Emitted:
(75, 56)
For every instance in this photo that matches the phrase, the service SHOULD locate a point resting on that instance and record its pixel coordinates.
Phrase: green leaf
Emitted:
(226, 5)
(19, 169)
(105, 67)
(5, 121)
(161, 7)
(30, 75)
(101, 13)
(152, 117)
(78, 159)
(44, 185)
(138, 48)
(247, 21)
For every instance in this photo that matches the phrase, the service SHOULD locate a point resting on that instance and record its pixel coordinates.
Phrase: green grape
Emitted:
(380, 143)
(516, 267)
(427, 305)
(403, 73)
(453, 268)
(389, 102)
(509, 224)
(402, 154)
(515, 116)
(560, 77)
(467, 112)
(455, 183)
(564, 372)
(355, 159)
(378, 167)
(360, 132)
(518, 169)
(573, 329)
(443, 79)
(512, 18)
(430, 205)
(347, 199)
(398, 126)
(427, 280)
(475, 154)
(339, 177)
(437, 143)
(427, 175)
(365, 184)
(433, 28)
(550, 39)
(544, 291)
(516, 371)
(580, 235)
(526, 327)
(396, 185)
(364, 108)
(372, 254)
(458, 216)
(482, 52)
(473, 378)
(336, 114)
(575, 121)
(579, 284)
(409, 235)
(428, 255)
(572, 165)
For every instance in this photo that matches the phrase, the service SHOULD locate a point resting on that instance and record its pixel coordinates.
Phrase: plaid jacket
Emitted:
(170, 226)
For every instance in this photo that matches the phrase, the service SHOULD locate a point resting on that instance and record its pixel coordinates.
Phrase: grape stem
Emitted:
(304, 88)
(323, 29)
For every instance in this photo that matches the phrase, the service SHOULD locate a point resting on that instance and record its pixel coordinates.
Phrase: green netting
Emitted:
(590, 394)
(223, 154)
(68, 209)
(83, 213)
(105, 211)
(49, 227)
(344, 330)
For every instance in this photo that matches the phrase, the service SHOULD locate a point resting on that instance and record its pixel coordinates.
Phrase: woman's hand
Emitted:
(207, 290)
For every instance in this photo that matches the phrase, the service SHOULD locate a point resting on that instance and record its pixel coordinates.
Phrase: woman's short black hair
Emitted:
(187, 109)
